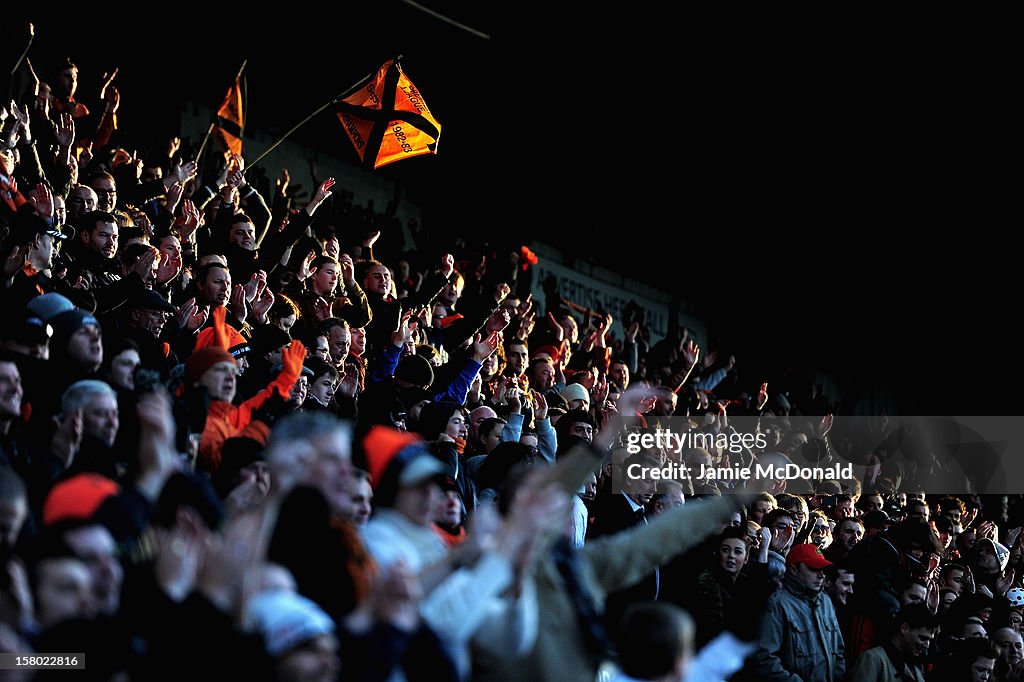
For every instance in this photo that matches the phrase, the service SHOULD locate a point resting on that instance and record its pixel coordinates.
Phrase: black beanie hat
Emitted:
(415, 370)
(65, 325)
(267, 338)
(236, 454)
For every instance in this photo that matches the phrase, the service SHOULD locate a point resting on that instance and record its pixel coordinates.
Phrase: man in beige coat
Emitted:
(572, 640)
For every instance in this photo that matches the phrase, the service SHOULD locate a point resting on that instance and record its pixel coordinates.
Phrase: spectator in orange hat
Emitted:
(211, 376)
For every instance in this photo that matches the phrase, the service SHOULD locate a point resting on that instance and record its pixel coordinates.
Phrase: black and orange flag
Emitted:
(387, 119)
(231, 118)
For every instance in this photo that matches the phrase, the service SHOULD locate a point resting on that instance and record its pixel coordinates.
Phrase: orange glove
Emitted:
(291, 367)
(220, 331)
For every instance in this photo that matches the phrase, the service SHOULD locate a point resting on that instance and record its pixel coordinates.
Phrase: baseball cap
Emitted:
(877, 518)
(147, 299)
(807, 554)
(397, 459)
(28, 225)
(400, 454)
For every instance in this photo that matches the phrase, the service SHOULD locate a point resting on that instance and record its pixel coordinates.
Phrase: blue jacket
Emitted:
(800, 637)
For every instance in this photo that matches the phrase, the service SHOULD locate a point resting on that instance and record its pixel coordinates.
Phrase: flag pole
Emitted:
(24, 53)
(206, 139)
(352, 88)
(241, 69)
(245, 107)
(245, 100)
(447, 20)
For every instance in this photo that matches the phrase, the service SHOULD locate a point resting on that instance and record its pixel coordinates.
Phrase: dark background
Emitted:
(832, 200)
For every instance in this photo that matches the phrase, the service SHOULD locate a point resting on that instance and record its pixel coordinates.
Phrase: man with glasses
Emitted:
(783, 529)
(106, 191)
(317, 346)
(144, 322)
(820, 532)
(796, 506)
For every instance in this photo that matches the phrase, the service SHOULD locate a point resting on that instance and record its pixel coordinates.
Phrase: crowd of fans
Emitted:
(263, 438)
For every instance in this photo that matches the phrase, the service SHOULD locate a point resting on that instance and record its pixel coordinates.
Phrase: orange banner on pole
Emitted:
(387, 119)
(230, 118)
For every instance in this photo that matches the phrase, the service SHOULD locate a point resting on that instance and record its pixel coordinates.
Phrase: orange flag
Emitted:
(387, 119)
(230, 119)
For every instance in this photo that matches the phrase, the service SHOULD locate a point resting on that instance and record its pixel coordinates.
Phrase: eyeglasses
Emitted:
(819, 529)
